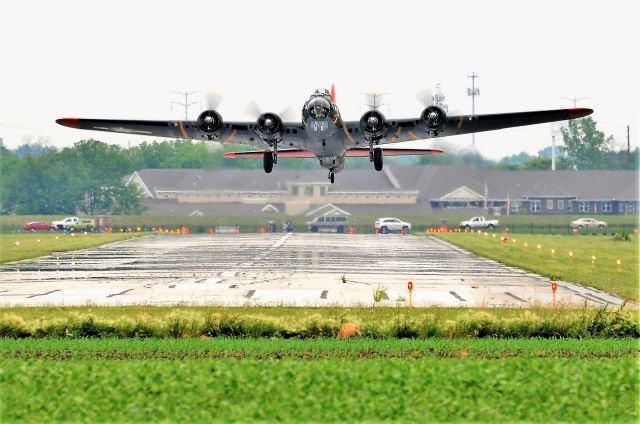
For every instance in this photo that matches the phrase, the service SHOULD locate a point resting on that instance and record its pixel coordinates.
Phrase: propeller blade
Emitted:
(253, 109)
(212, 100)
(425, 97)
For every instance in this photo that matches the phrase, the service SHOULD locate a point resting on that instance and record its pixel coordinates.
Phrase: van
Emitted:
(339, 224)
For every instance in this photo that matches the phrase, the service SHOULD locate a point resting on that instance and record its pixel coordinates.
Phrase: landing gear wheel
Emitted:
(267, 162)
(384, 230)
(377, 159)
(332, 177)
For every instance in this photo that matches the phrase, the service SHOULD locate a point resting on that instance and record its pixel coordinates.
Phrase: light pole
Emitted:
(575, 100)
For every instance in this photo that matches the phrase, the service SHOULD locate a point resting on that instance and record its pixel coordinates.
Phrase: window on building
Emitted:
(570, 205)
(308, 191)
(515, 206)
(560, 204)
(534, 206)
(621, 207)
(549, 204)
(630, 207)
(583, 206)
(294, 190)
(605, 207)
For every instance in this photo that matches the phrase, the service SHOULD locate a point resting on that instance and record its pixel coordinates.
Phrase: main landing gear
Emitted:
(269, 159)
(332, 176)
(376, 158)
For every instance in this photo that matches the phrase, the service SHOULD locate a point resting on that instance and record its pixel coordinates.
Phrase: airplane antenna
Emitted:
(473, 92)
(186, 103)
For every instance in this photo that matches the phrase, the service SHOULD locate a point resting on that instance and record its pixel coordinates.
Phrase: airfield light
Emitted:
(539, 246)
(553, 252)
(526, 246)
(619, 265)
(570, 256)
(73, 234)
(57, 237)
(410, 288)
(514, 240)
(554, 287)
(16, 243)
(493, 235)
(593, 259)
(37, 240)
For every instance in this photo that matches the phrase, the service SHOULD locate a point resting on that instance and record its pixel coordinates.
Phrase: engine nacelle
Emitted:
(374, 125)
(269, 127)
(210, 123)
(433, 119)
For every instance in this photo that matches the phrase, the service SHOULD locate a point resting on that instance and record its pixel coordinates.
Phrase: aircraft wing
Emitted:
(353, 152)
(410, 129)
(231, 132)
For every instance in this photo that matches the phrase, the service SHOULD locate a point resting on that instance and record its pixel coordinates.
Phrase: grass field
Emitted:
(319, 381)
(289, 322)
(33, 245)
(604, 274)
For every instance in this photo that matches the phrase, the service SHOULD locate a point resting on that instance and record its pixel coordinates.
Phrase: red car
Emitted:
(37, 226)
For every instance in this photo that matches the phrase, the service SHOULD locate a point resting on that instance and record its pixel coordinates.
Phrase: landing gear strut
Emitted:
(332, 177)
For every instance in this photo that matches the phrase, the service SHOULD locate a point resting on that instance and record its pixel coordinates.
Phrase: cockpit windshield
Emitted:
(318, 108)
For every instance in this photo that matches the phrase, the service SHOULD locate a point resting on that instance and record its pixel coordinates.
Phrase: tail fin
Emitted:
(333, 93)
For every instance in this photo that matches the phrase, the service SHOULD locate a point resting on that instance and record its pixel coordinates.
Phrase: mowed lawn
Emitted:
(15, 247)
(573, 259)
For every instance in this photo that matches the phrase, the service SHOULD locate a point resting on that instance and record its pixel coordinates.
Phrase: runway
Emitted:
(281, 269)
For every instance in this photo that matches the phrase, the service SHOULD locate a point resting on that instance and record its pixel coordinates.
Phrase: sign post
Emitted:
(410, 287)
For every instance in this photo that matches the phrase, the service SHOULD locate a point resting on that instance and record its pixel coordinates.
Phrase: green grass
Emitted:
(357, 348)
(330, 390)
(604, 274)
(30, 247)
(282, 322)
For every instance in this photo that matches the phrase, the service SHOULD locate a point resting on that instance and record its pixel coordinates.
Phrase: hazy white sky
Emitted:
(121, 59)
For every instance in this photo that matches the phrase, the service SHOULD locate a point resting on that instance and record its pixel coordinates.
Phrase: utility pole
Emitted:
(629, 148)
(374, 101)
(186, 103)
(575, 100)
(473, 92)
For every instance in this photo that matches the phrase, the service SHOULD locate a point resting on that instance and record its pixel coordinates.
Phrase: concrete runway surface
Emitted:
(280, 269)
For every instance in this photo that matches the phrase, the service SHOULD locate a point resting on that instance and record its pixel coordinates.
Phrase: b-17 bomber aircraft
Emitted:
(323, 134)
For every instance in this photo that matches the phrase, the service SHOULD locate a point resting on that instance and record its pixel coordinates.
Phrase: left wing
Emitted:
(399, 130)
(231, 132)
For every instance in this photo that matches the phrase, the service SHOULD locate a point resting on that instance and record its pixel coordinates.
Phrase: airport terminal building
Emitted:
(412, 190)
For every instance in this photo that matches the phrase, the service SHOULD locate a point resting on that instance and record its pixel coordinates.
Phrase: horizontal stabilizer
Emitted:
(354, 152)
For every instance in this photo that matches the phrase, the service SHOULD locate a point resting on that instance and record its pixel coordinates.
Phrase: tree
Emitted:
(587, 148)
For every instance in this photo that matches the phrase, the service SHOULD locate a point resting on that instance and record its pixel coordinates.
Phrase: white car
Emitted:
(588, 223)
(385, 225)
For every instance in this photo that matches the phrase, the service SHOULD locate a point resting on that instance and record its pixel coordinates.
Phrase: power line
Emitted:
(186, 103)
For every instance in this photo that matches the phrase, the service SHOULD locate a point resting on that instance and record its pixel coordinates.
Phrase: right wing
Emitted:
(400, 130)
(352, 152)
(231, 132)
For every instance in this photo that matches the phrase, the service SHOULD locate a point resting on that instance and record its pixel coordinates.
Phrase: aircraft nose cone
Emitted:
(268, 122)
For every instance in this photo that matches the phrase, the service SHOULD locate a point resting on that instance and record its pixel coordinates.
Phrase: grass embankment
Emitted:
(604, 274)
(538, 381)
(33, 245)
(284, 322)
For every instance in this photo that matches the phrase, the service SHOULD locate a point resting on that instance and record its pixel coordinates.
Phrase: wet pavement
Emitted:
(280, 269)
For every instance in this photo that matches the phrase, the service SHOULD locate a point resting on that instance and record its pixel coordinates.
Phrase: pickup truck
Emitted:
(479, 222)
(73, 223)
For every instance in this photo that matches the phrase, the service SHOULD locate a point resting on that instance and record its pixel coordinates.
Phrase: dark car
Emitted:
(37, 226)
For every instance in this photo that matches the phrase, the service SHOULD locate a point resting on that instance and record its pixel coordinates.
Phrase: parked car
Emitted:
(479, 222)
(328, 223)
(588, 223)
(37, 226)
(385, 225)
(73, 223)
